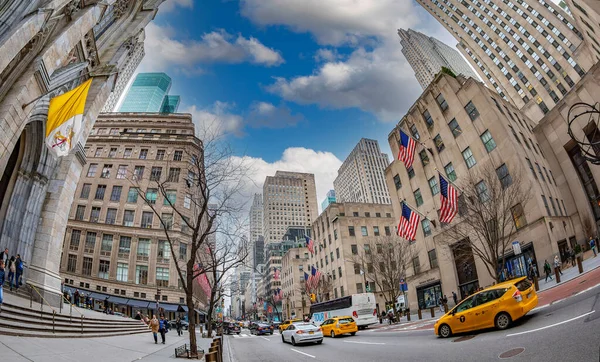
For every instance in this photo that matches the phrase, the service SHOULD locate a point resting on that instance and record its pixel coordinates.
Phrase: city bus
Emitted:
(361, 307)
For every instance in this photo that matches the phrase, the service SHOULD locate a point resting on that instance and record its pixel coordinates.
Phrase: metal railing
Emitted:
(42, 299)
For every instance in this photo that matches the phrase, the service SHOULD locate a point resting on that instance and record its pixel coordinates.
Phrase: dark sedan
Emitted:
(261, 328)
(184, 325)
(230, 328)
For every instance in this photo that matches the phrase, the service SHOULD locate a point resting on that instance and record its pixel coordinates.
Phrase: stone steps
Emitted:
(49, 334)
(46, 316)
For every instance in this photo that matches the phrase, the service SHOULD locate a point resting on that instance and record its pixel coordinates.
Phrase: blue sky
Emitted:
(295, 84)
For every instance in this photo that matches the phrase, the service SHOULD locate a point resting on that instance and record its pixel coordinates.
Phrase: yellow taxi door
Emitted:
(326, 327)
(462, 317)
(488, 306)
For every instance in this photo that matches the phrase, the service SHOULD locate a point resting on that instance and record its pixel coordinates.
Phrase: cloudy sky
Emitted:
(294, 83)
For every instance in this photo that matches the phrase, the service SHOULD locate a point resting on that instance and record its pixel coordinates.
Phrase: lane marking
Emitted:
(415, 330)
(265, 338)
(306, 354)
(363, 342)
(552, 325)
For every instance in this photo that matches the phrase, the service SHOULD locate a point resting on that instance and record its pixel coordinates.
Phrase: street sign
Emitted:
(516, 247)
(403, 285)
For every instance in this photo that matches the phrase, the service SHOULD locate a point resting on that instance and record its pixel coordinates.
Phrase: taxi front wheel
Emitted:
(503, 321)
(445, 331)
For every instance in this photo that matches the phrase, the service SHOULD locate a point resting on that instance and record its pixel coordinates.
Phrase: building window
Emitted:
(424, 157)
(359, 288)
(163, 251)
(122, 171)
(337, 253)
(182, 251)
(387, 231)
(350, 230)
(367, 214)
(537, 165)
(342, 291)
(426, 225)
(106, 171)
(454, 127)
(428, 119)
(504, 176)
(559, 209)
(80, 212)
(355, 213)
(160, 154)
(162, 277)
(546, 205)
(482, 191)
(187, 201)
(85, 191)
(442, 102)
(411, 172)
(418, 197)
(115, 194)
(433, 186)
(111, 216)
(472, 111)
(92, 170)
(354, 249)
(75, 238)
(173, 175)
(90, 242)
(167, 221)
(439, 144)
(103, 269)
(364, 231)
(132, 195)
(151, 196)
(138, 173)
(531, 168)
(143, 153)
(335, 234)
(95, 214)
(143, 248)
(553, 206)
(106, 246)
(170, 197)
(127, 153)
(72, 263)
(414, 132)
(488, 141)
(141, 274)
(87, 266)
(376, 230)
(114, 131)
(98, 152)
(468, 157)
(178, 156)
(433, 262)
(124, 246)
(100, 190)
(155, 173)
(122, 272)
(416, 265)
(147, 217)
(112, 153)
(518, 216)
(449, 169)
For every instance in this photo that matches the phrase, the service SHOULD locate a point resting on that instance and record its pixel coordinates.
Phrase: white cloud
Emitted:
(170, 5)
(334, 21)
(323, 165)
(263, 114)
(379, 81)
(326, 54)
(216, 119)
(164, 50)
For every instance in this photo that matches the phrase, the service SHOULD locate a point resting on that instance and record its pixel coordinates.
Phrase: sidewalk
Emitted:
(572, 272)
(123, 348)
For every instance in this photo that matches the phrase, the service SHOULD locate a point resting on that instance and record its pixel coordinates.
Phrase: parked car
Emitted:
(297, 333)
(184, 325)
(230, 328)
(261, 328)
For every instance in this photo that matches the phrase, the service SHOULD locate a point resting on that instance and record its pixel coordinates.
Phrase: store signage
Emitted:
(427, 281)
(516, 247)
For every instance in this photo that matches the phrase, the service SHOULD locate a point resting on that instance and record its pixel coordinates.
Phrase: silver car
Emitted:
(302, 333)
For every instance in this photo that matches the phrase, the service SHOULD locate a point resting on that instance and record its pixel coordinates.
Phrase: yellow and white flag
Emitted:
(65, 119)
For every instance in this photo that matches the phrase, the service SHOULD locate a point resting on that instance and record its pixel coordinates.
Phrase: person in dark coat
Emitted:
(163, 328)
(1, 283)
(178, 326)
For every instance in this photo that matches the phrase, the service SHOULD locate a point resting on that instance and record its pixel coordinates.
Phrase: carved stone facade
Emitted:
(48, 47)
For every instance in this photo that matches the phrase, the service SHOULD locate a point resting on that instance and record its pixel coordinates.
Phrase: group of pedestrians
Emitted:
(14, 276)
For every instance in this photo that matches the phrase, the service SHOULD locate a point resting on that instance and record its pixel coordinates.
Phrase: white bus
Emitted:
(361, 307)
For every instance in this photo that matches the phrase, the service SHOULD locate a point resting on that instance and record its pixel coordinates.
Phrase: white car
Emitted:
(302, 333)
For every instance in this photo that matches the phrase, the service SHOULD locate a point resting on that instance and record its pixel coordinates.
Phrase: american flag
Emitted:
(407, 149)
(306, 280)
(449, 201)
(202, 279)
(407, 228)
(314, 278)
(275, 273)
(310, 244)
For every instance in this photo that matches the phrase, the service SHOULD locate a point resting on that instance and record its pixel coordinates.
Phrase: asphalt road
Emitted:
(566, 331)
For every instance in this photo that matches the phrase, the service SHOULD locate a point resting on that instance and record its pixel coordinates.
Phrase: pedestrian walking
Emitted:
(12, 269)
(5, 256)
(593, 246)
(178, 326)
(557, 265)
(1, 284)
(76, 298)
(19, 271)
(455, 298)
(547, 270)
(163, 328)
(106, 305)
(390, 317)
(441, 304)
(572, 254)
(154, 325)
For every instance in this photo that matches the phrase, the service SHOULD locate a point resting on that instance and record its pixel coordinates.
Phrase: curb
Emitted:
(562, 283)
(563, 299)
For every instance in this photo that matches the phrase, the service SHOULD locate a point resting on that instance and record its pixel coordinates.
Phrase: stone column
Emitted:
(45, 261)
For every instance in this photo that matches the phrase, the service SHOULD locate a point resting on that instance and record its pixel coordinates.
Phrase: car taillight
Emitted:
(517, 296)
(354, 314)
(299, 332)
(375, 312)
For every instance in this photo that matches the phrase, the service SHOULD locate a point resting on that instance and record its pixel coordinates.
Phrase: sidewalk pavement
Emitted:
(572, 272)
(121, 348)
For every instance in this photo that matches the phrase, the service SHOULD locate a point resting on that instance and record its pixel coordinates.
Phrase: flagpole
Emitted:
(448, 179)
(415, 210)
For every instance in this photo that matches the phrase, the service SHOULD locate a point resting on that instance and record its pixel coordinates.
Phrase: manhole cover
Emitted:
(511, 353)
(462, 339)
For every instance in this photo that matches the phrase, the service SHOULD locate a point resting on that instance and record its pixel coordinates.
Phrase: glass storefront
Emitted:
(429, 295)
(518, 265)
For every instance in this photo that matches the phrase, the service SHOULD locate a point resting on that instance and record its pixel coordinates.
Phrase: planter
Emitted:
(184, 352)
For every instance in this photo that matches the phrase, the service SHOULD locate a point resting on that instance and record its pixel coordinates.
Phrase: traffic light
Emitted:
(313, 297)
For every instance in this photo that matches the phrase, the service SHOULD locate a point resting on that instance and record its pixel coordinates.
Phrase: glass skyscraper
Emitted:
(149, 93)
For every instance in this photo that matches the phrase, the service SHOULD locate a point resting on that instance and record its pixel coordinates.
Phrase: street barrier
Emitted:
(557, 275)
(536, 283)
(419, 313)
(432, 310)
(579, 265)
(211, 357)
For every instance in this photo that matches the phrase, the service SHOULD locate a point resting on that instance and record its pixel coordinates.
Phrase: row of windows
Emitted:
(161, 154)
(117, 291)
(166, 220)
(138, 173)
(117, 131)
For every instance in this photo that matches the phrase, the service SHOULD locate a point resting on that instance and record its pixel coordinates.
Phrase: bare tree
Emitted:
(207, 221)
(384, 261)
(491, 206)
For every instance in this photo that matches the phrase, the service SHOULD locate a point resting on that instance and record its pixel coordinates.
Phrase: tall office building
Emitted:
(427, 55)
(529, 52)
(587, 17)
(149, 93)
(289, 199)
(329, 199)
(361, 176)
(256, 217)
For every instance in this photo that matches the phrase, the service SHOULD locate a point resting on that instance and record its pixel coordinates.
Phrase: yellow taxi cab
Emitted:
(496, 306)
(287, 322)
(339, 325)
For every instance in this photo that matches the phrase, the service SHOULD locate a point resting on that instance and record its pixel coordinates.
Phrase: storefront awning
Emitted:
(117, 300)
(182, 308)
(96, 295)
(169, 307)
(138, 303)
(200, 312)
